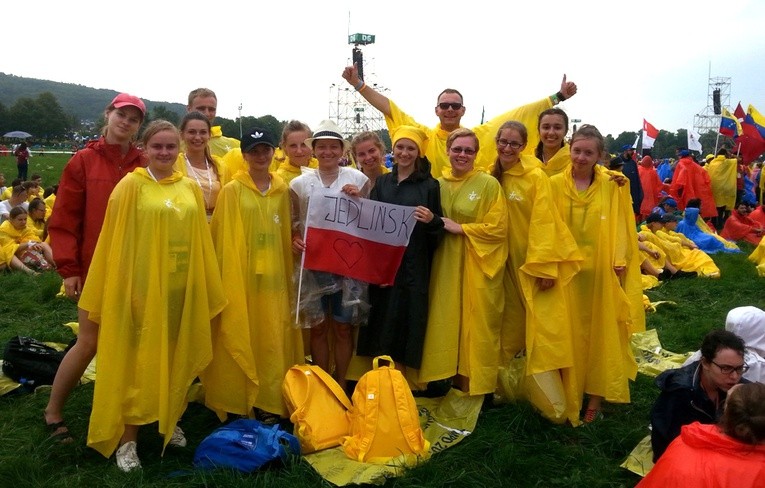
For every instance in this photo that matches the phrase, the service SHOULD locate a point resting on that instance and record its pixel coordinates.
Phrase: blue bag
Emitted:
(245, 445)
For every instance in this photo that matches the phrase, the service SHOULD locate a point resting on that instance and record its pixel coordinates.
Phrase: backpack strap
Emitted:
(328, 380)
(371, 412)
(376, 361)
(410, 426)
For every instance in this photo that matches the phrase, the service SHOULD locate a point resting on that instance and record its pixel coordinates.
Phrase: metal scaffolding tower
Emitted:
(718, 97)
(347, 108)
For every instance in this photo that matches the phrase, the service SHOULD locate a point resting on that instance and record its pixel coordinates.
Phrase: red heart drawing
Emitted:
(349, 252)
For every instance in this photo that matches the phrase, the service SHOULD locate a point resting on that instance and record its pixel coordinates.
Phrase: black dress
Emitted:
(399, 313)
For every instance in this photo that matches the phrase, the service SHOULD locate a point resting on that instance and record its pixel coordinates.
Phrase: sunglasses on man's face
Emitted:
(450, 105)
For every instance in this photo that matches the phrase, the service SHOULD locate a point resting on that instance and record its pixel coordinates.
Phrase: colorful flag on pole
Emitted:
(356, 237)
(750, 143)
(739, 113)
(728, 124)
(756, 119)
(650, 133)
(693, 141)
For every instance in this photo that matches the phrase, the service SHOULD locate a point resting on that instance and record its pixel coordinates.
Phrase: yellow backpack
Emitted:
(384, 420)
(318, 407)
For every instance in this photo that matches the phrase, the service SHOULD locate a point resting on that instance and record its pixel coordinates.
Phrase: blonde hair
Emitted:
(364, 137)
(462, 132)
(157, 126)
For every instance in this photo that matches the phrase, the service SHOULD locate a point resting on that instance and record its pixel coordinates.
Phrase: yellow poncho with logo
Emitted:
(466, 295)
(487, 132)
(219, 144)
(539, 246)
(722, 173)
(600, 219)
(153, 287)
(254, 342)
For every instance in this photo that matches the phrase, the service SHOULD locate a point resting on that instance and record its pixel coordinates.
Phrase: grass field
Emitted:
(511, 446)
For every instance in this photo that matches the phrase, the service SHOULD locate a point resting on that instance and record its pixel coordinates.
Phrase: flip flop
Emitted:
(59, 433)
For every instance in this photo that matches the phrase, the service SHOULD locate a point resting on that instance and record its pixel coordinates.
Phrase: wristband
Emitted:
(560, 96)
(359, 86)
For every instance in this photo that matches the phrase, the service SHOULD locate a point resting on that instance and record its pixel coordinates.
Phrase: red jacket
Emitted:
(702, 456)
(83, 193)
(652, 186)
(691, 181)
(741, 228)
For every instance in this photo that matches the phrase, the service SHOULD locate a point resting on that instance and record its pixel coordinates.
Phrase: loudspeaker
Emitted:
(716, 101)
(358, 60)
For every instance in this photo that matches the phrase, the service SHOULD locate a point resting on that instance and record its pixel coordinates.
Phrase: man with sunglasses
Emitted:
(696, 392)
(449, 109)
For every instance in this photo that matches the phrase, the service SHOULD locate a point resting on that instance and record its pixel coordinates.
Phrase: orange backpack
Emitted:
(318, 407)
(384, 419)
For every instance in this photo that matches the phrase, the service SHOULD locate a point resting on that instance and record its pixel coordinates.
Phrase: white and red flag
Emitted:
(650, 133)
(356, 237)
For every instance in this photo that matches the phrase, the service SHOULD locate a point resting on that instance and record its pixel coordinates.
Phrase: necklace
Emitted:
(168, 201)
(330, 174)
(193, 171)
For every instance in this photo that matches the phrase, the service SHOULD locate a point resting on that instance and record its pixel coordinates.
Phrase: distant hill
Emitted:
(83, 102)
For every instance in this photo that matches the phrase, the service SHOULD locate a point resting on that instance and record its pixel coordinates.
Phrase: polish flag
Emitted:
(356, 237)
(650, 133)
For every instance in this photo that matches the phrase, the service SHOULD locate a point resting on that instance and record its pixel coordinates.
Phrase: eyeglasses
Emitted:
(502, 143)
(726, 369)
(466, 150)
(450, 105)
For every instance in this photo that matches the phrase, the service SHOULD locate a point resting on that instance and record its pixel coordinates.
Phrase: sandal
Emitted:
(591, 415)
(59, 433)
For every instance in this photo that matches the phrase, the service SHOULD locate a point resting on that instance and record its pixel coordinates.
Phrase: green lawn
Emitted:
(49, 166)
(511, 446)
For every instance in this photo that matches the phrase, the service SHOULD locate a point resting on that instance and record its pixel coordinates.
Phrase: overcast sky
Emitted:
(631, 60)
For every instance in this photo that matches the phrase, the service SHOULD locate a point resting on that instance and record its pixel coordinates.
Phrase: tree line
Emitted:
(46, 120)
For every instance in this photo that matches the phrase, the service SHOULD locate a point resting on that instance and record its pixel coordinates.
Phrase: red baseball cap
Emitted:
(126, 100)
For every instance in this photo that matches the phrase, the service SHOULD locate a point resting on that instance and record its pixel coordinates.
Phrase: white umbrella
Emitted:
(20, 134)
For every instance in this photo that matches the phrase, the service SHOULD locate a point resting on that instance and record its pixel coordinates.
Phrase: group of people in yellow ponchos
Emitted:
(23, 233)
(579, 245)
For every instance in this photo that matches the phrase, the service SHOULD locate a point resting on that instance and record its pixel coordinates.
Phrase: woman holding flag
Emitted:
(326, 294)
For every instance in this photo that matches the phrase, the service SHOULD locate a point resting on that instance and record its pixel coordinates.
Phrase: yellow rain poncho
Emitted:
(153, 287)
(559, 162)
(288, 172)
(539, 246)
(436, 148)
(466, 295)
(219, 144)
(758, 258)
(254, 342)
(681, 256)
(10, 238)
(600, 219)
(722, 173)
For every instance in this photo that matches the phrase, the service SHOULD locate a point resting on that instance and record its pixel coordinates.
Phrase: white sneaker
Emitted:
(178, 439)
(127, 457)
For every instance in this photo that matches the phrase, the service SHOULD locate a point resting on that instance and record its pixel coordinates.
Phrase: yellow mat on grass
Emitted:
(444, 421)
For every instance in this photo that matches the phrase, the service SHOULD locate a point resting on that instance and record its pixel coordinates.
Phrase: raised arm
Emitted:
(377, 100)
